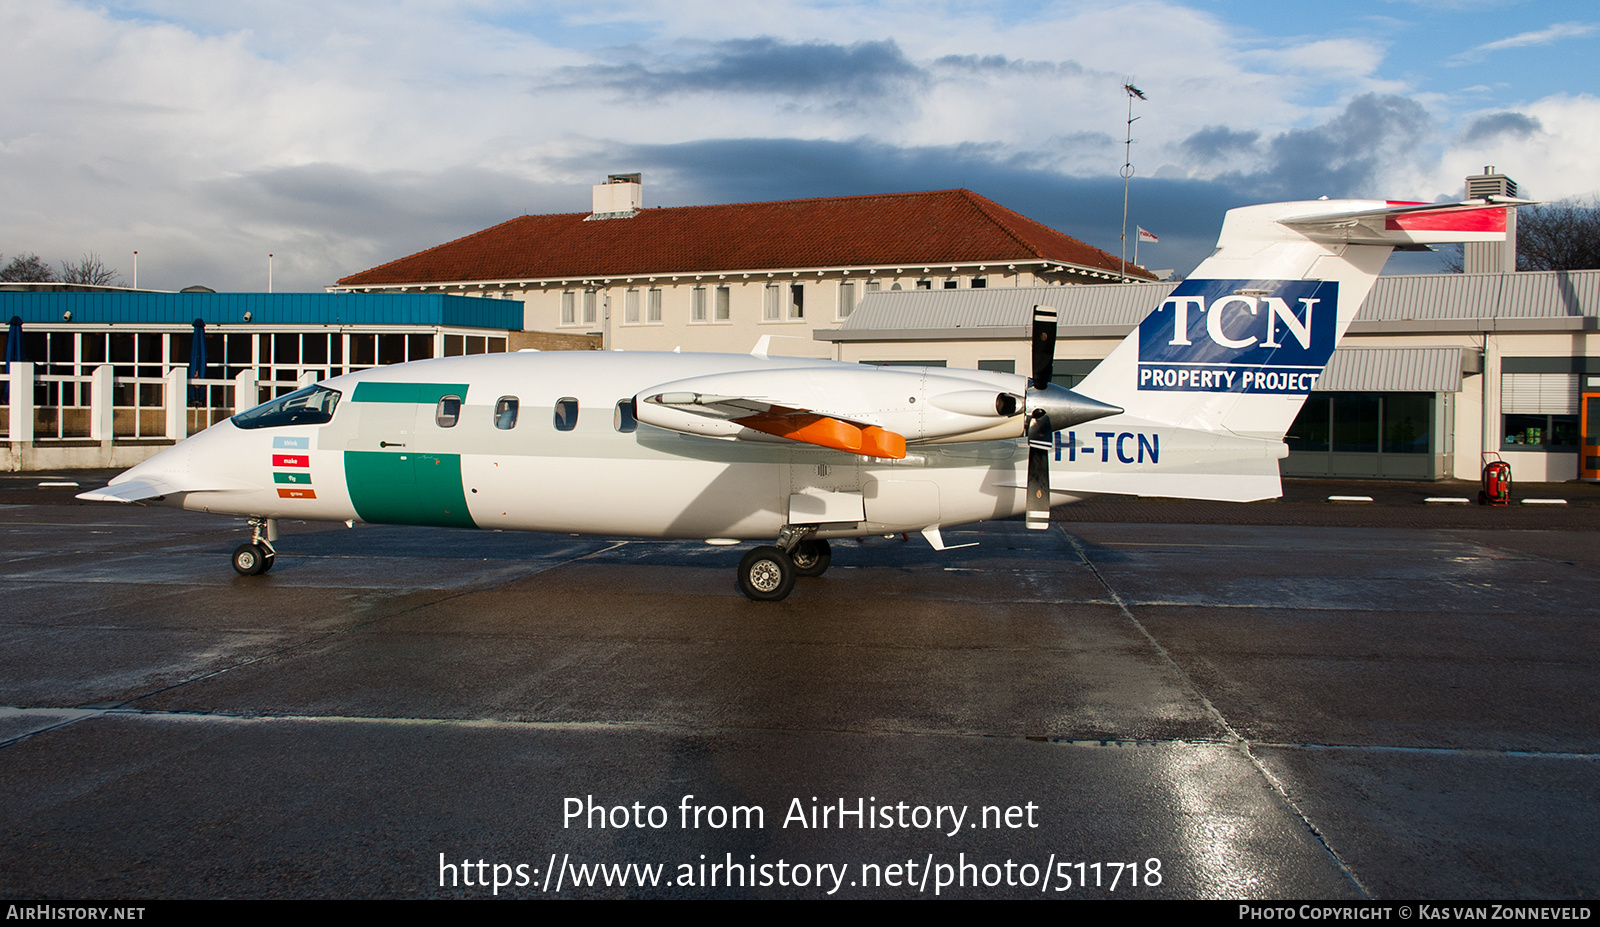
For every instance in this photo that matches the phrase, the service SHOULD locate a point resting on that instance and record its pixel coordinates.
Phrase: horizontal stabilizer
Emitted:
(1410, 224)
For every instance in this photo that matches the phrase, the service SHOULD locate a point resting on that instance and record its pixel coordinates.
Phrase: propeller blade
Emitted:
(1044, 345)
(1040, 443)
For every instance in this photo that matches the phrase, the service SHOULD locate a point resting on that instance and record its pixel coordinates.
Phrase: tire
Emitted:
(811, 557)
(267, 561)
(766, 574)
(249, 560)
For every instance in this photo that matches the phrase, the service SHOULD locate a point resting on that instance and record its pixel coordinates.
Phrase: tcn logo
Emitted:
(1239, 336)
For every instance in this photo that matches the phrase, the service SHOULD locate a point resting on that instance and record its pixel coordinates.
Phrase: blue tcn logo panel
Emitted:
(1239, 336)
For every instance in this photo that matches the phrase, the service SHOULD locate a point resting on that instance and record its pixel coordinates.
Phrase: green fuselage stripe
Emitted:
(407, 488)
(422, 393)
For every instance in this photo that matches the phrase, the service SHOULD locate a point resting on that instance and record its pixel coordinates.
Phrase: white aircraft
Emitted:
(1193, 404)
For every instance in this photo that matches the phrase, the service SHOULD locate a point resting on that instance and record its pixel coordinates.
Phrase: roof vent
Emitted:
(618, 198)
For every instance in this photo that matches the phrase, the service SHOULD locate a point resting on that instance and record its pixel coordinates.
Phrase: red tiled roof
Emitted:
(890, 230)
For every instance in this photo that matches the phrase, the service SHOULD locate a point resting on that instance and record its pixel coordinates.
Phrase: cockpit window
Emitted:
(312, 405)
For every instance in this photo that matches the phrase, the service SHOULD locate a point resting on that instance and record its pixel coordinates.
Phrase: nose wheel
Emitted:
(256, 557)
(252, 559)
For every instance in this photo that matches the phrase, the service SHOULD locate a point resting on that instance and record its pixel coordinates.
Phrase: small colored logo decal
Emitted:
(291, 460)
(285, 443)
(297, 493)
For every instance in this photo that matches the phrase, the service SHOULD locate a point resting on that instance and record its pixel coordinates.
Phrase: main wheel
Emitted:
(249, 560)
(811, 557)
(766, 574)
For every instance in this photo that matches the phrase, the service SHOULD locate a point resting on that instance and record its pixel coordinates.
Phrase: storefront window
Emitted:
(1542, 432)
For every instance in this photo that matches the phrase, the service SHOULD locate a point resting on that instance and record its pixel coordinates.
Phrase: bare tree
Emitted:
(1559, 236)
(1563, 235)
(90, 270)
(27, 268)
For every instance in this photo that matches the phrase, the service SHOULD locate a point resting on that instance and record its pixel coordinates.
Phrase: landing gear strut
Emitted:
(257, 556)
(767, 573)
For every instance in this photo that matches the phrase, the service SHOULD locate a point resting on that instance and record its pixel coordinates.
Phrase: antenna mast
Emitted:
(1127, 170)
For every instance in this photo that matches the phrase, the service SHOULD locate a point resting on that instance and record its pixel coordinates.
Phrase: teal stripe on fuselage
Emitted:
(423, 393)
(407, 488)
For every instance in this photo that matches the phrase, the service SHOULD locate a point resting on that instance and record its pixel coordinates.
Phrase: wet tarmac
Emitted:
(1296, 700)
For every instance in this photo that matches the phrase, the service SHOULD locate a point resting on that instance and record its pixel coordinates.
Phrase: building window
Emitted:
(1364, 423)
(874, 286)
(591, 304)
(797, 301)
(630, 307)
(569, 308)
(505, 413)
(769, 305)
(999, 366)
(566, 414)
(652, 308)
(847, 299)
(979, 283)
(924, 284)
(724, 308)
(1540, 432)
(1539, 411)
(697, 304)
(951, 283)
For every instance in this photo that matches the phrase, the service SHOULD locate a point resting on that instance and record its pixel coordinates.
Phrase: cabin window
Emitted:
(566, 414)
(624, 420)
(505, 413)
(448, 412)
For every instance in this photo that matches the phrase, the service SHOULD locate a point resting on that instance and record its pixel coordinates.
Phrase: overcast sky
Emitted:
(340, 136)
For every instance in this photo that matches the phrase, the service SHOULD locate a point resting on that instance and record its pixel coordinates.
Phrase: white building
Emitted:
(717, 278)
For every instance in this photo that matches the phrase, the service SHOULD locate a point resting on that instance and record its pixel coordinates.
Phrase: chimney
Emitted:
(1492, 257)
(618, 198)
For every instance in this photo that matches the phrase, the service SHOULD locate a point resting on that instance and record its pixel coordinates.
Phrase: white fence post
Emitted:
(307, 378)
(244, 391)
(21, 401)
(177, 403)
(101, 400)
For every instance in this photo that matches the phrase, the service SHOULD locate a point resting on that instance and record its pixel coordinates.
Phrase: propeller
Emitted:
(1048, 408)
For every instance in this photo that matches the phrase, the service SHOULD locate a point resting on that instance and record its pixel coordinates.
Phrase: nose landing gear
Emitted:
(256, 557)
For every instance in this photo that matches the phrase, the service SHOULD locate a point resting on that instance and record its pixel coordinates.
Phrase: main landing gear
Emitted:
(256, 557)
(767, 573)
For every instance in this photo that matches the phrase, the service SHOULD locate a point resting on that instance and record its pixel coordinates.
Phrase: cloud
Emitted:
(1555, 33)
(1493, 125)
(764, 65)
(1215, 143)
(1346, 156)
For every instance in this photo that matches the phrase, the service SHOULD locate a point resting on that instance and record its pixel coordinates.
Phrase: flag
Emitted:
(1146, 236)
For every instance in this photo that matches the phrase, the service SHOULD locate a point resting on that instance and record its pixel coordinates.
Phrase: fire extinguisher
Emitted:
(1496, 484)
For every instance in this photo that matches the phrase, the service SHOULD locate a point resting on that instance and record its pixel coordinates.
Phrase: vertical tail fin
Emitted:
(1238, 346)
